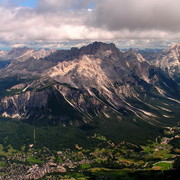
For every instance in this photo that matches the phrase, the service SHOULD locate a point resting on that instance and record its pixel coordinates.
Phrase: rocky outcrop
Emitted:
(24, 105)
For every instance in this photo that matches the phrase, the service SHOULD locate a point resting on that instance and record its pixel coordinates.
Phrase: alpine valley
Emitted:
(61, 98)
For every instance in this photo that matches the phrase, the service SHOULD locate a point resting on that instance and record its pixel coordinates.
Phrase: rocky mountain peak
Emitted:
(19, 50)
(16, 53)
(173, 51)
(98, 47)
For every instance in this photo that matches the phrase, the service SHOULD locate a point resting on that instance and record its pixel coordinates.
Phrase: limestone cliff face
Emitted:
(169, 60)
(60, 103)
(24, 105)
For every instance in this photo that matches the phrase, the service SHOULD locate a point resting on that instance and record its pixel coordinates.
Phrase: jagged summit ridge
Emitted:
(96, 48)
(24, 53)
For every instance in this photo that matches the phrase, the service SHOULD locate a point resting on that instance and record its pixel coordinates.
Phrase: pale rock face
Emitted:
(140, 58)
(22, 54)
(20, 105)
(86, 69)
(144, 71)
(137, 65)
(36, 54)
(169, 60)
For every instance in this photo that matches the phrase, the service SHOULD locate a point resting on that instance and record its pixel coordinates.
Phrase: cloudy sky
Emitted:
(61, 23)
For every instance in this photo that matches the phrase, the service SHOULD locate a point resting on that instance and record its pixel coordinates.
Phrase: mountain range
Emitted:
(96, 86)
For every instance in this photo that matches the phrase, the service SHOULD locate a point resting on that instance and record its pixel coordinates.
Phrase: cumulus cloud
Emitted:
(51, 20)
(59, 20)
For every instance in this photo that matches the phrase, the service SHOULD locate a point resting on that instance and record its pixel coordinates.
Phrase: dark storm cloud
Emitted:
(137, 15)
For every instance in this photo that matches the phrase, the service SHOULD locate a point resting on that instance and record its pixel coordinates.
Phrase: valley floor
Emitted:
(107, 160)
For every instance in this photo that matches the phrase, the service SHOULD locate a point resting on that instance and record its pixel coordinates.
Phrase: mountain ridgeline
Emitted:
(94, 87)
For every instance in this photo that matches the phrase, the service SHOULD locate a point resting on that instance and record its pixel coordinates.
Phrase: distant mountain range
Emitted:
(91, 86)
